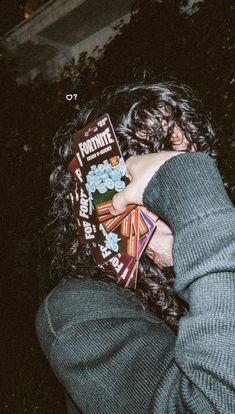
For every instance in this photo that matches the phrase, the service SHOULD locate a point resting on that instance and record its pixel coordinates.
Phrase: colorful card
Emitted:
(100, 162)
(116, 242)
(126, 266)
(101, 253)
(88, 227)
(144, 239)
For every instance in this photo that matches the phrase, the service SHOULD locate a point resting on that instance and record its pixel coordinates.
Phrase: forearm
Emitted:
(188, 193)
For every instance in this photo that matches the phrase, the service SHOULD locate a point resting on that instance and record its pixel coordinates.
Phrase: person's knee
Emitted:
(62, 304)
(58, 310)
(77, 300)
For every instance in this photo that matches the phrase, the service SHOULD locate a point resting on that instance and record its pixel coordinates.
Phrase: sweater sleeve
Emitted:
(188, 193)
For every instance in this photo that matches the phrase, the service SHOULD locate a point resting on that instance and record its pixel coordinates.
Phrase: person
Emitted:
(111, 353)
(147, 118)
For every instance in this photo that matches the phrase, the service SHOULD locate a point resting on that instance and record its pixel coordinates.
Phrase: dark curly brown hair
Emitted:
(136, 111)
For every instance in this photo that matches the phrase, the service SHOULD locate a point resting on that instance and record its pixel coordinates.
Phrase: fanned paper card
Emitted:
(117, 242)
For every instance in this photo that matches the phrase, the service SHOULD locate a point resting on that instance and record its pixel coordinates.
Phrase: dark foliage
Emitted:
(159, 44)
(198, 50)
(29, 118)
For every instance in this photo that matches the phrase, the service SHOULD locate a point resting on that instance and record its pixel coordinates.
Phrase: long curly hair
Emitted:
(137, 112)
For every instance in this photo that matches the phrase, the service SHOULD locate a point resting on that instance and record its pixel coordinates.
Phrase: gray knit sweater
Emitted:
(112, 356)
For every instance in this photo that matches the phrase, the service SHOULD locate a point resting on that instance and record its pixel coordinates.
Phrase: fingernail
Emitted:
(112, 211)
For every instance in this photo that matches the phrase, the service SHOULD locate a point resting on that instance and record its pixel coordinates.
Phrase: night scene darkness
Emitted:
(54, 57)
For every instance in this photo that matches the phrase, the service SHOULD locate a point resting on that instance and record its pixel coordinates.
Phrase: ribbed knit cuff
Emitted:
(186, 187)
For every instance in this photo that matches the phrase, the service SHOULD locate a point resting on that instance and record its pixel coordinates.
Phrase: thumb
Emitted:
(121, 200)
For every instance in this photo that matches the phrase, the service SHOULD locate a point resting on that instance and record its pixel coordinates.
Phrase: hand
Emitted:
(140, 170)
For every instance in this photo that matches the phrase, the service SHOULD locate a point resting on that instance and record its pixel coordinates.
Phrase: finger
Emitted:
(119, 203)
(121, 200)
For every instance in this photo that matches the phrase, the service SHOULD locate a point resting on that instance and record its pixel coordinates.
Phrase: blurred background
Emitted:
(55, 55)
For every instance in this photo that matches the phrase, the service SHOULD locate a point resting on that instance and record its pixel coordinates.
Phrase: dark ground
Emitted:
(159, 44)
